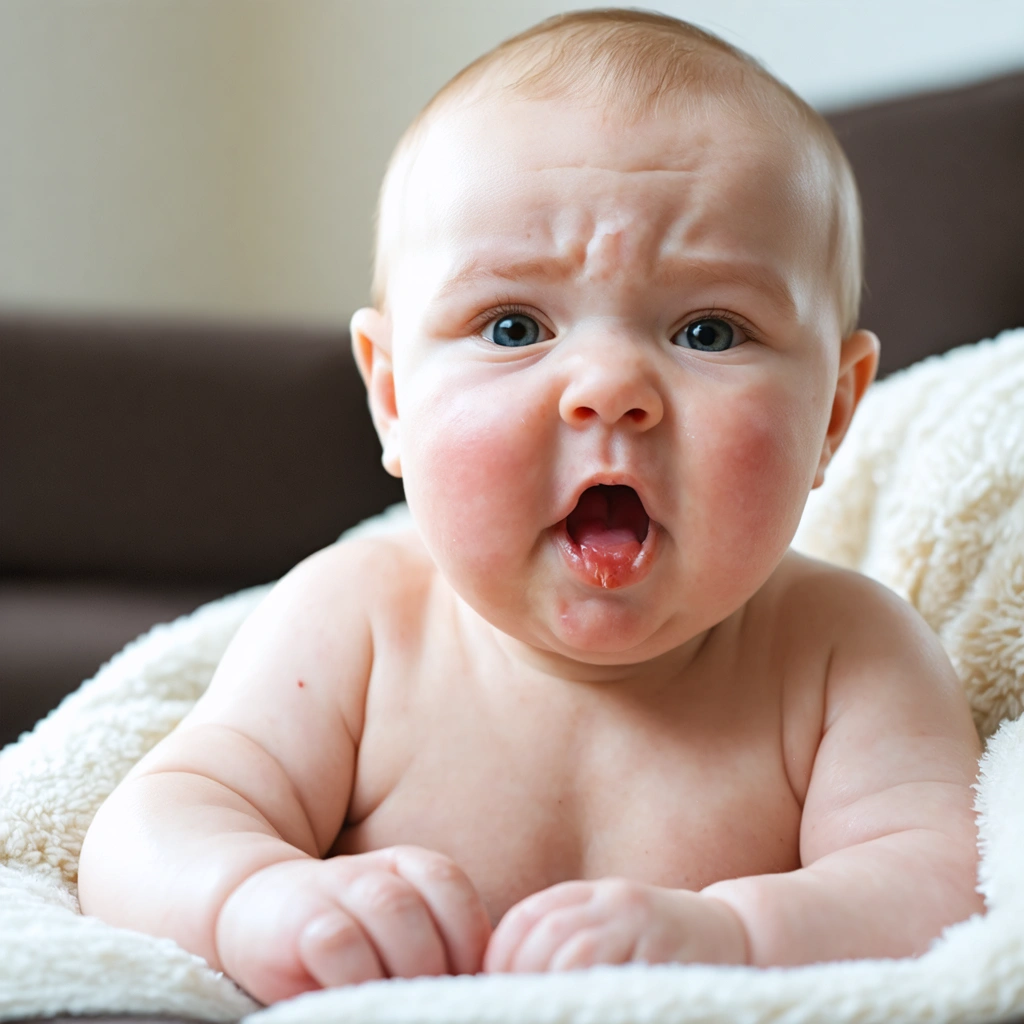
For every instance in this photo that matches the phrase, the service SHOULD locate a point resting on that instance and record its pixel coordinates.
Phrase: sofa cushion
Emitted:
(940, 178)
(55, 634)
(170, 452)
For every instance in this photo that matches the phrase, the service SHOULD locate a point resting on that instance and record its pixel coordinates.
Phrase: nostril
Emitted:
(637, 415)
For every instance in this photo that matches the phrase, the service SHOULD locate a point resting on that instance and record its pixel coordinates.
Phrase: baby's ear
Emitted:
(371, 345)
(858, 363)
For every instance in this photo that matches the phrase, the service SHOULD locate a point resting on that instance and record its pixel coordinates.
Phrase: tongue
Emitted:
(594, 534)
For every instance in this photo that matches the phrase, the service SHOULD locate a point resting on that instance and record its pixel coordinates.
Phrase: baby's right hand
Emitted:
(308, 924)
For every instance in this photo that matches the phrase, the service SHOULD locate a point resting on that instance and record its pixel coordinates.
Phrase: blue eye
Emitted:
(709, 334)
(514, 330)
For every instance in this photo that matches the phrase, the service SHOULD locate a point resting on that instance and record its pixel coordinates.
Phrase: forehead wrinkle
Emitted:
(574, 235)
(594, 244)
(584, 244)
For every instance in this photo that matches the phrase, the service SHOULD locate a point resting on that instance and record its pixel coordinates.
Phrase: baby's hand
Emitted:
(306, 924)
(614, 921)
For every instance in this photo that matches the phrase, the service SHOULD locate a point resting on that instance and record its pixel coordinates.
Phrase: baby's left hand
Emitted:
(614, 921)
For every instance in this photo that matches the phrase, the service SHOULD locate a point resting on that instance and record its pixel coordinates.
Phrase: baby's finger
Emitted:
(538, 948)
(336, 951)
(394, 916)
(454, 903)
(611, 943)
(519, 920)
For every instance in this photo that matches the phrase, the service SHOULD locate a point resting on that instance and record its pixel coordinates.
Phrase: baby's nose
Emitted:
(613, 385)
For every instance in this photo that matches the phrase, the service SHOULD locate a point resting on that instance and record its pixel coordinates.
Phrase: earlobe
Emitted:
(371, 346)
(858, 364)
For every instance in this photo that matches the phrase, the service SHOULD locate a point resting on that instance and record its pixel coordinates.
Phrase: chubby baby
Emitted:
(591, 709)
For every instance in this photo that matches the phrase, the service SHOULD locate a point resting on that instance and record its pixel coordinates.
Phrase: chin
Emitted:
(604, 630)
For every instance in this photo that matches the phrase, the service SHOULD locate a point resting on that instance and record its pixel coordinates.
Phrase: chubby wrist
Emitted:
(728, 931)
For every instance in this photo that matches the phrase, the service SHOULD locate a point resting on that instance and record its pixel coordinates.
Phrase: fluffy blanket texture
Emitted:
(926, 495)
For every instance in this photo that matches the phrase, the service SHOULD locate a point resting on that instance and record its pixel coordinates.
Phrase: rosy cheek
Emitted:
(756, 470)
(476, 471)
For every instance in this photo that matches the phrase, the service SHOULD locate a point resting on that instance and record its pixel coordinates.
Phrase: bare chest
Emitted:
(528, 792)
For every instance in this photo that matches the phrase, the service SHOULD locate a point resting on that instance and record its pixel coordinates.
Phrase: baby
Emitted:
(591, 710)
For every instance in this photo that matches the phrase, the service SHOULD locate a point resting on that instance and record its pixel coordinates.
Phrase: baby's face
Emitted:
(615, 352)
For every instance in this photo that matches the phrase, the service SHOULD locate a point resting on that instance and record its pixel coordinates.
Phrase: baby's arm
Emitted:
(888, 839)
(215, 838)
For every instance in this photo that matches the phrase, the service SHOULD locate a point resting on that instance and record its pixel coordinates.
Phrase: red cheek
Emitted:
(760, 474)
(765, 439)
(762, 453)
(475, 455)
(479, 475)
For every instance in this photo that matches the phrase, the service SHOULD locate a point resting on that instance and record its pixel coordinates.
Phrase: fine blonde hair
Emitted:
(637, 60)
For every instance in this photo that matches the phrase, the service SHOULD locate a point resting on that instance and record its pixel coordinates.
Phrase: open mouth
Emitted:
(606, 536)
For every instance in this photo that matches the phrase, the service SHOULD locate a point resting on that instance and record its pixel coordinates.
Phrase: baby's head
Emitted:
(635, 64)
(613, 345)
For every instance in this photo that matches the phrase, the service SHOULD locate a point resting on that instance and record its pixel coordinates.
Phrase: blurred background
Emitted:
(223, 158)
(186, 201)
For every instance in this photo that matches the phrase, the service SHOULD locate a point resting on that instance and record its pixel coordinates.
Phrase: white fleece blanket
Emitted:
(926, 494)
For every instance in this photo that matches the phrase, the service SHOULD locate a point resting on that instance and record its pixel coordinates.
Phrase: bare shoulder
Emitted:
(284, 710)
(379, 565)
(878, 644)
(319, 620)
(852, 616)
(865, 682)
(897, 748)
(810, 589)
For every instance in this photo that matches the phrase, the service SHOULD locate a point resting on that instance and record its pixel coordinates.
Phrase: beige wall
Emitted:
(222, 156)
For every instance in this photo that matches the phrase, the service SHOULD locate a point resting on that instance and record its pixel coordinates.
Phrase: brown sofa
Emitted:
(146, 467)
(149, 467)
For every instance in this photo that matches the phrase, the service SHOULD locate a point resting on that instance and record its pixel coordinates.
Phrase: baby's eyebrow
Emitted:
(754, 275)
(669, 269)
(473, 270)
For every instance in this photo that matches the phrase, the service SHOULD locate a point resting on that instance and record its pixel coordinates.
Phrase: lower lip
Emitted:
(606, 569)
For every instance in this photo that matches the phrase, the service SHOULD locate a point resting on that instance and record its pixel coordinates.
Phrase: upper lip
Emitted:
(609, 479)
